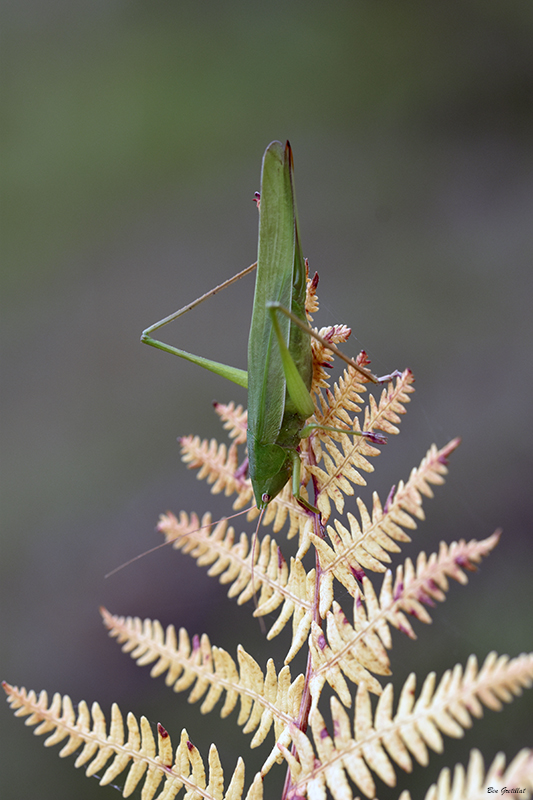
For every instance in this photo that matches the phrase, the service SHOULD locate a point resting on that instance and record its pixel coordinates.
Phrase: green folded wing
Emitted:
(274, 281)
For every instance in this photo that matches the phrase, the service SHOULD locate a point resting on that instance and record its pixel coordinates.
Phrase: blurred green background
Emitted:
(132, 136)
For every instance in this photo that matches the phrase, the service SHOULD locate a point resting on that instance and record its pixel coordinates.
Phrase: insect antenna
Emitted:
(252, 561)
(170, 541)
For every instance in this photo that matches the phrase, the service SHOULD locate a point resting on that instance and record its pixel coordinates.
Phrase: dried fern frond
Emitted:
(345, 455)
(366, 545)
(288, 586)
(379, 740)
(266, 699)
(474, 784)
(140, 753)
(357, 649)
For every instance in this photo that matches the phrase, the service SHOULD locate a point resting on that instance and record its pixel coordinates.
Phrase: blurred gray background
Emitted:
(132, 141)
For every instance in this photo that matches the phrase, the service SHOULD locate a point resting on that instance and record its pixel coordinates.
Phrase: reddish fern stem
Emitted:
(305, 703)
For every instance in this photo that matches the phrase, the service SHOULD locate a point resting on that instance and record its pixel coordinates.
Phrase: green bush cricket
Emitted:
(279, 348)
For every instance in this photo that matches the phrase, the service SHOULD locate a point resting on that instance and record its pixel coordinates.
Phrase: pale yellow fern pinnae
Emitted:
(323, 358)
(382, 738)
(209, 672)
(366, 545)
(432, 470)
(288, 586)
(311, 298)
(235, 420)
(337, 405)
(218, 465)
(474, 784)
(355, 650)
(140, 752)
(385, 414)
(345, 454)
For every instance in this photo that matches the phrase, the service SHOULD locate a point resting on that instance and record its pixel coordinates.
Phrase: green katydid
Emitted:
(279, 349)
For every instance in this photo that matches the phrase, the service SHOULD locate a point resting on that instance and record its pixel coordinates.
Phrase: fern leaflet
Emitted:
(88, 729)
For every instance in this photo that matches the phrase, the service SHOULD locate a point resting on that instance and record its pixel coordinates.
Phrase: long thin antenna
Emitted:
(169, 541)
(252, 561)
